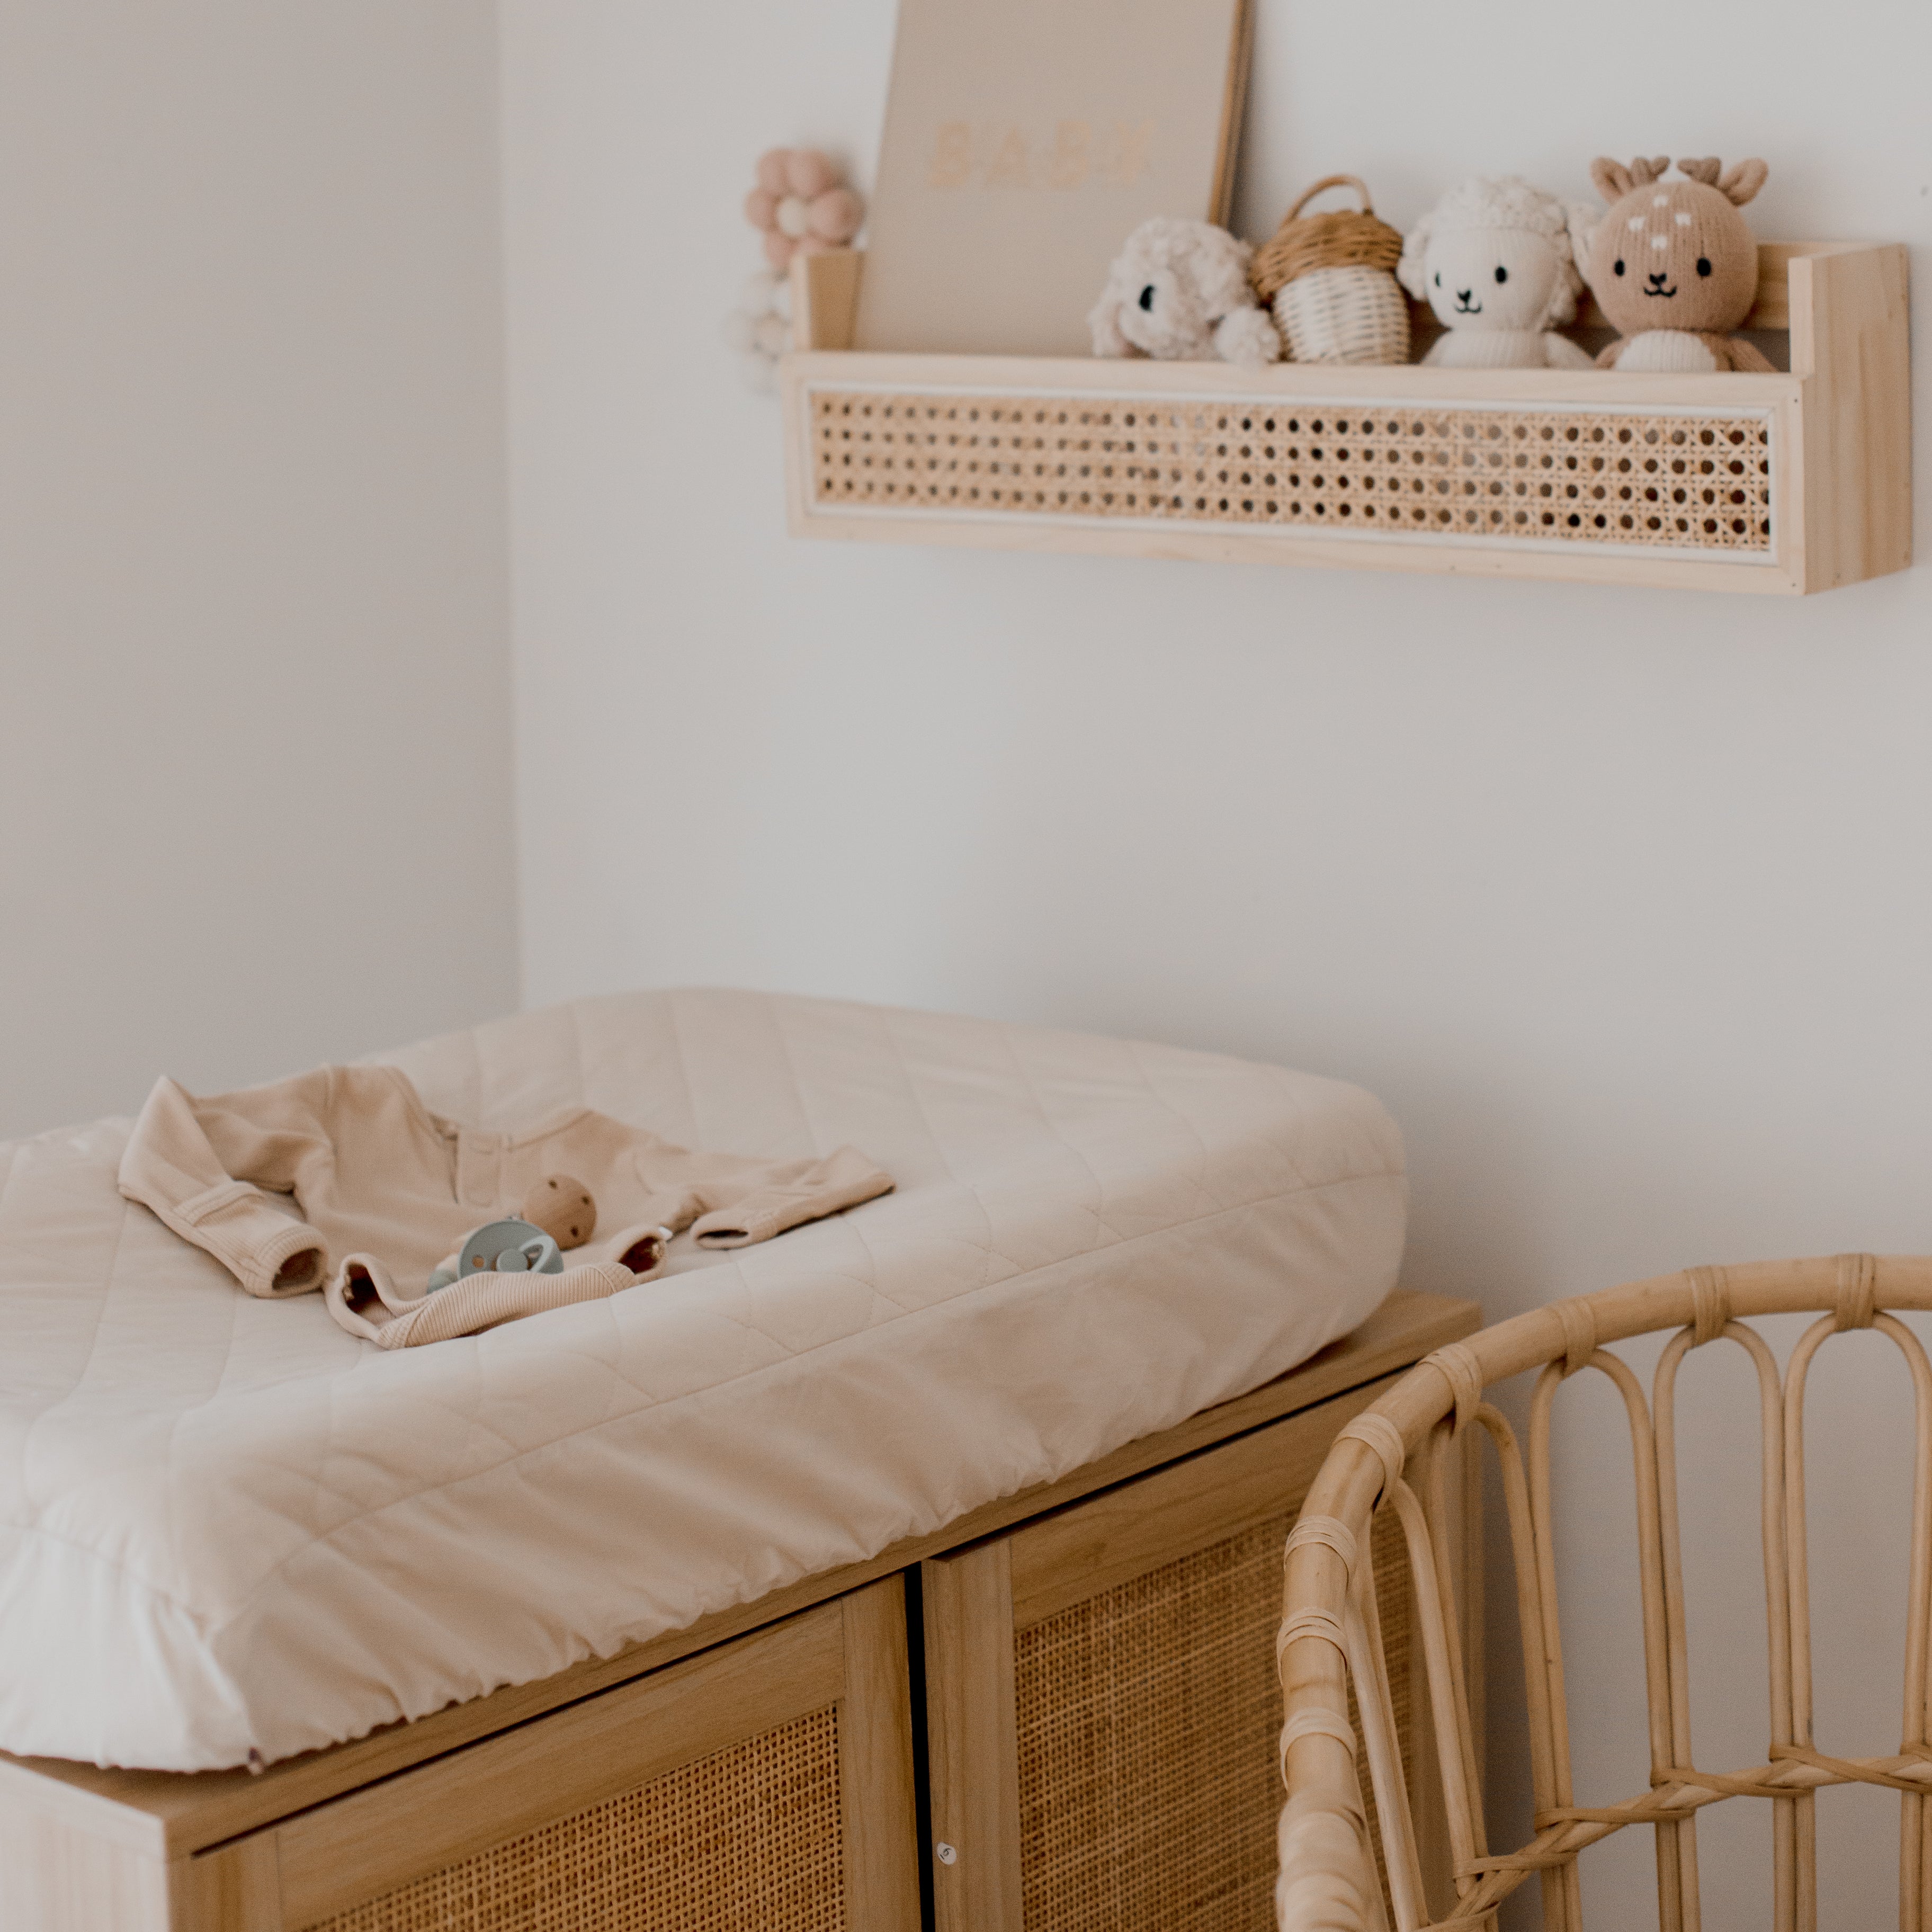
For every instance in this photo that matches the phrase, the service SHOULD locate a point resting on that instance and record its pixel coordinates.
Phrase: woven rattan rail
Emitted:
(1394, 1456)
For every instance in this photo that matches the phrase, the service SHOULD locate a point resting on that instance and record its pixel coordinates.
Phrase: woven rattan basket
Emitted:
(1391, 1458)
(1331, 280)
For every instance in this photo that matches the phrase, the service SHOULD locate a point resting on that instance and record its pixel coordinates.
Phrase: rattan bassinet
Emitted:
(1394, 1456)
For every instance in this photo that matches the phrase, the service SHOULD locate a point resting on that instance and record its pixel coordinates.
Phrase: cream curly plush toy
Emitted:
(1179, 291)
(1493, 259)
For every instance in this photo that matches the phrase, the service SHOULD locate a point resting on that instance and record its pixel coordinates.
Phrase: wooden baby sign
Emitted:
(1023, 139)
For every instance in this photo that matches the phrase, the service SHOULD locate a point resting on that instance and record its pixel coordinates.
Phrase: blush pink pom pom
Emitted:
(808, 173)
(799, 206)
(834, 215)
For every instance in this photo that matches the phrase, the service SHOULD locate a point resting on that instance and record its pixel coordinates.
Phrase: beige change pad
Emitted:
(226, 1526)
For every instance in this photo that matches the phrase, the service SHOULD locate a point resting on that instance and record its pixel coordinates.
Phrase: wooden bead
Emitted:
(563, 1207)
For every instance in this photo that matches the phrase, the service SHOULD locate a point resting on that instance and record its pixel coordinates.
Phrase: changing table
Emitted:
(605, 1597)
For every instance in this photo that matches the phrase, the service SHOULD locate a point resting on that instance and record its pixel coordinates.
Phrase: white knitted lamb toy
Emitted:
(1492, 259)
(1178, 290)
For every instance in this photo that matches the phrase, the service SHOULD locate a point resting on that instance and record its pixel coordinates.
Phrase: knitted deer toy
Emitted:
(1673, 265)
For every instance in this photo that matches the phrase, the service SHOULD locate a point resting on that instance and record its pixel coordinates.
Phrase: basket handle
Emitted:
(1333, 180)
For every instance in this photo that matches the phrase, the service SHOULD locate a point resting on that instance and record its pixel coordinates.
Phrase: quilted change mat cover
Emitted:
(228, 1527)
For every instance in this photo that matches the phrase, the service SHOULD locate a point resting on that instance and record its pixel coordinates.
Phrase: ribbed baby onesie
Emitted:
(286, 1184)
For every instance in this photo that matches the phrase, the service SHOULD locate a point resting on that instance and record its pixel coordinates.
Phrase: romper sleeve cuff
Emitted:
(269, 1254)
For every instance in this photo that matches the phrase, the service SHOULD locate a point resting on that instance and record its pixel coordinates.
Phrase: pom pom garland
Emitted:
(800, 203)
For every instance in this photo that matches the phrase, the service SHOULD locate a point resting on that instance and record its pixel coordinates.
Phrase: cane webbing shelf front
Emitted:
(751, 1836)
(1789, 481)
(1386, 1465)
(1146, 1718)
(1699, 483)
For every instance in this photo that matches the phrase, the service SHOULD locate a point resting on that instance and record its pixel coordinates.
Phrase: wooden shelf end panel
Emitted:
(1851, 342)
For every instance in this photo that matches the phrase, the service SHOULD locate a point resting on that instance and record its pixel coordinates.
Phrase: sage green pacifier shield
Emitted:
(508, 1247)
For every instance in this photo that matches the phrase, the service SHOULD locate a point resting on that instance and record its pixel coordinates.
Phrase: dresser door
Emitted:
(1102, 1707)
(766, 1783)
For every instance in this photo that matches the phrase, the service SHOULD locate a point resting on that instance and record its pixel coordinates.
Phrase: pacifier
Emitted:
(509, 1247)
(502, 1247)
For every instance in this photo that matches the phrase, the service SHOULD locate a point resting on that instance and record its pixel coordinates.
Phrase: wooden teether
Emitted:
(564, 1208)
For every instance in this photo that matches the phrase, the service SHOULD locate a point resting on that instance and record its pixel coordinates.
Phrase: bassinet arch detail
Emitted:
(1396, 1455)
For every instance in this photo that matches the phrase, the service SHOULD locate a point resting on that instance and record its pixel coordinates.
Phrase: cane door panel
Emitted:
(767, 1782)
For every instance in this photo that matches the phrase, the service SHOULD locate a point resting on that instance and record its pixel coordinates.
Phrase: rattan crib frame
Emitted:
(1392, 1457)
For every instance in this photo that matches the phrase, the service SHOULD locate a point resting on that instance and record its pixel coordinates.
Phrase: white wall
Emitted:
(254, 746)
(1621, 899)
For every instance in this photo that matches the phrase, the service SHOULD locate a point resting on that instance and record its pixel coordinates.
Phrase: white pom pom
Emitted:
(740, 330)
(794, 218)
(759, 289)
(1247, 336)
(781, 299)
(773, 337)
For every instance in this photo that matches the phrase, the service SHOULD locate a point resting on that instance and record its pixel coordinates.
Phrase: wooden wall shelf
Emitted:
(1790, 482)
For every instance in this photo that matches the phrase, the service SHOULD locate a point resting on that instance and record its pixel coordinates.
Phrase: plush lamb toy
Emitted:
(1492, 259)
(1179, 291)
(1674, 265)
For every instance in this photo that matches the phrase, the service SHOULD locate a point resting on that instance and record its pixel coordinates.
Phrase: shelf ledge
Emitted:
(1782, 483)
